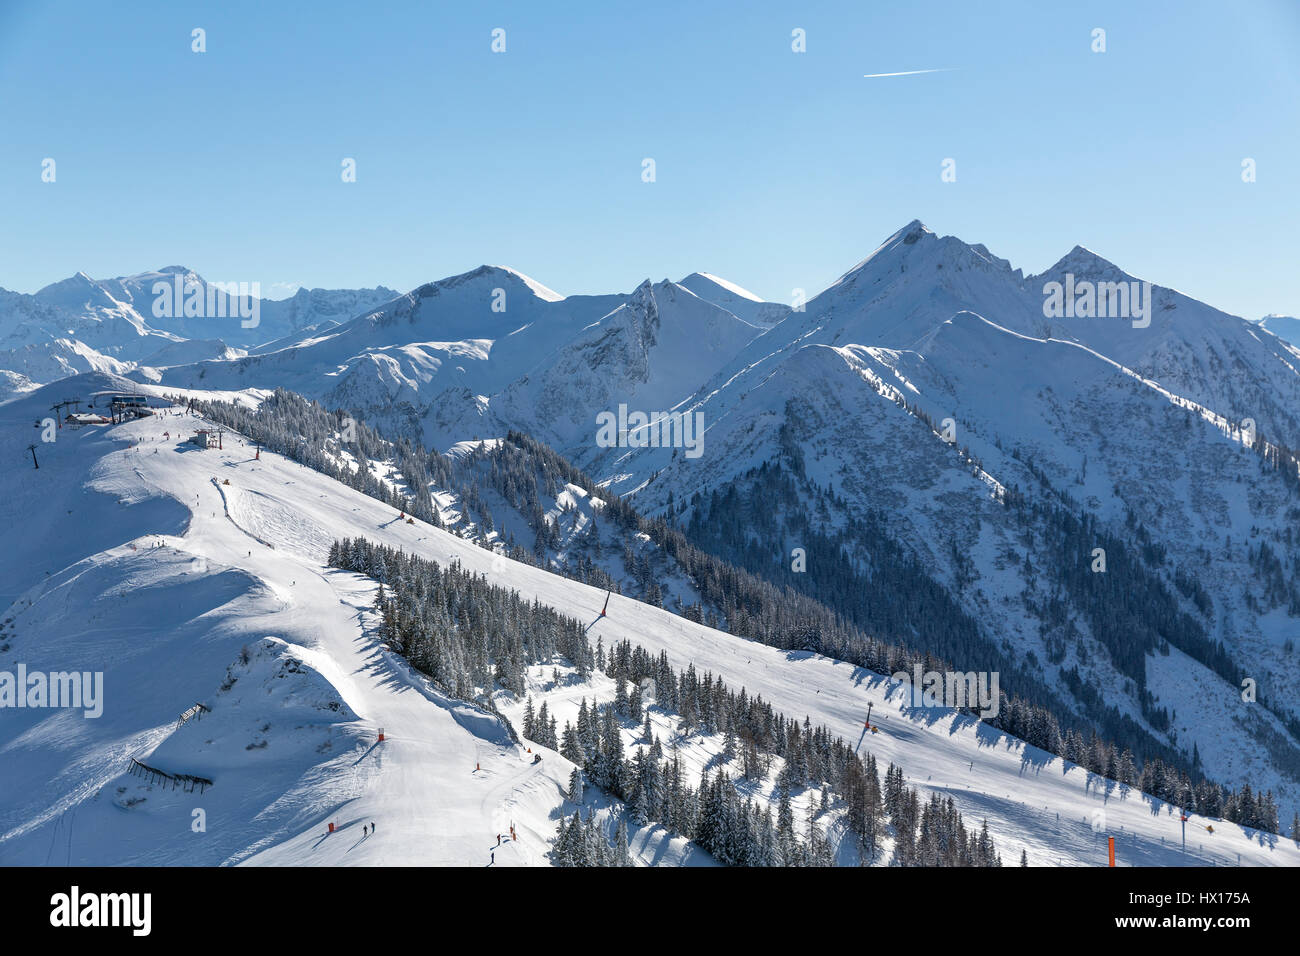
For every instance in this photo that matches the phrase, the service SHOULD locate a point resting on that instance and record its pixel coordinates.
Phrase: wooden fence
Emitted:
(154, 775)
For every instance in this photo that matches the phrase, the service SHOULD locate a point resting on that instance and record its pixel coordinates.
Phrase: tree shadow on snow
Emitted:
(368, 752)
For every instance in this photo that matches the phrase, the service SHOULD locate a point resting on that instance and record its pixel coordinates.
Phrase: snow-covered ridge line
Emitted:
(1230, 429)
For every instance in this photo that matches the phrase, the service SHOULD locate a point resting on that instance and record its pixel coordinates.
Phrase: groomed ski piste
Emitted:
(129, 554)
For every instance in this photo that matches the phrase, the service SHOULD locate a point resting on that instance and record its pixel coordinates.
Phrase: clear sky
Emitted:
(774, 169)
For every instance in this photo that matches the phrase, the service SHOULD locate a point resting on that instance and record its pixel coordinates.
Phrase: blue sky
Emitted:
(774, 169)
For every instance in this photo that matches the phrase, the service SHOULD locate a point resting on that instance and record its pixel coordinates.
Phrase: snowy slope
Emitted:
(58, 358)
(275, 317)
(190, 589)
(739, 302)
(1285, 327)
(650, 353)
(190, 351)
(150, 610)
(951, 331)
(1118, 420)
(422, 363)
(476, 354)
(1206, 356)
(77, 308)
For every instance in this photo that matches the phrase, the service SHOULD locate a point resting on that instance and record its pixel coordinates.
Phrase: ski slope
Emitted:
(183, 571)
(164, 615)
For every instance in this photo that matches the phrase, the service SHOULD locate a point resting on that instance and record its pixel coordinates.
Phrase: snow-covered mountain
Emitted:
(77, 308)
(142, 554)
(58, 358)
(426, 364)
(1285, 327)
(110, 323)
(738, 301)
(1079, 476)
(1140, 428)
(275, 318)
(648, 354)
(190, 351)
(1105, 415)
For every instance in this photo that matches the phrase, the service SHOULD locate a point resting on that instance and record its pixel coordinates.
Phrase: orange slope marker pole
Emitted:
(1111, 846)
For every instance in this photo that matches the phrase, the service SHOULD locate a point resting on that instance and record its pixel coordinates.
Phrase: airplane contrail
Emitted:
(946, 69)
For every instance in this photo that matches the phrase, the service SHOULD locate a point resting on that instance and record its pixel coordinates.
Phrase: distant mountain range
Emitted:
(83, 324)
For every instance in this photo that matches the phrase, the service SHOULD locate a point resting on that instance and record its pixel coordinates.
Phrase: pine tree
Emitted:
(785, 829)
(575, 786)
(570, 749)
(579, 849)
(530, 724)
(622, 855)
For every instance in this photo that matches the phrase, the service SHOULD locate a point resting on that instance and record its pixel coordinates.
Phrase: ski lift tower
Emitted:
(57, 408)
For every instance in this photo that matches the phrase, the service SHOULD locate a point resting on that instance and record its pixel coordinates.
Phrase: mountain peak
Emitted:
(1083, 261)
(77, 279)
(76, 291)
(542, 292)
(697, 279)
(498, 274)
(912, 233)
(900, 245)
